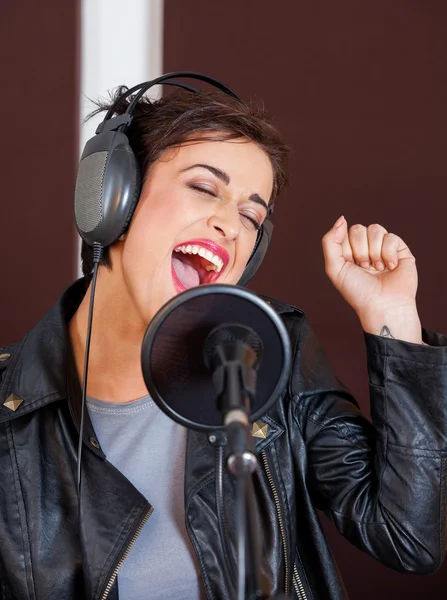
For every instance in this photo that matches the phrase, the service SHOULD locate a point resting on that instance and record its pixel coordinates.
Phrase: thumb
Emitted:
(333, 247)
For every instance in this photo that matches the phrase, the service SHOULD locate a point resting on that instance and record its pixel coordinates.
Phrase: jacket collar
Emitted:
(41, 369)
(280, 307)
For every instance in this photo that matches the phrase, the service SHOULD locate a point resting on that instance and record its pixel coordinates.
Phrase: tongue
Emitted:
(187, 275)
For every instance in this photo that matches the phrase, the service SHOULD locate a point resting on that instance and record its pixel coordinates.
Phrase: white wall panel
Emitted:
(122, 43)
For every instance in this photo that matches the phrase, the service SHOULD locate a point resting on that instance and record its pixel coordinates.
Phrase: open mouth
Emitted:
(197, 263)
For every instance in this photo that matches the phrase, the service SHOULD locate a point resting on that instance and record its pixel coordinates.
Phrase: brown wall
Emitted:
(39, 49)
(360, 91)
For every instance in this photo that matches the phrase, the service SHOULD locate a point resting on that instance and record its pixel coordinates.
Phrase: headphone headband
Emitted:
(166, 79)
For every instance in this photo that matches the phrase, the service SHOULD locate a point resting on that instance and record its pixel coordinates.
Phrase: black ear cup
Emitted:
(107, 188)
(259, 251)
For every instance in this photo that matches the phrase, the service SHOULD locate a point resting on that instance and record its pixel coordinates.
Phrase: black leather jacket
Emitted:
(383, 486)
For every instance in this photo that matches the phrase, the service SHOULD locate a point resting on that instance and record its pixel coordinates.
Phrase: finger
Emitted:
(358, 240)
(333, 250)
(394, 249)
(375, 240)
(346, 249)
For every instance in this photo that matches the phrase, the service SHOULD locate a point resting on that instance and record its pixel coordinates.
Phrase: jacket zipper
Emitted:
(280, 519)
(297, 585)
(126, 553)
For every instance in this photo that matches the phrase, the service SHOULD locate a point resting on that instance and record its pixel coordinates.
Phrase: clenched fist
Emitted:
(376, 274)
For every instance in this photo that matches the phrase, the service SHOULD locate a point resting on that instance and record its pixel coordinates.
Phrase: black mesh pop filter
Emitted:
(172, 354)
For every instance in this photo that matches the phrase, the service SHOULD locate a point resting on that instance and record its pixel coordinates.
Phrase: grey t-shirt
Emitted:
(149, 449)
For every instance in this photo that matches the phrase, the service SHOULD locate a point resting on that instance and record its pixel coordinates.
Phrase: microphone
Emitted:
(232, 352)
(190, 339)
(233, 348)
(231, 337)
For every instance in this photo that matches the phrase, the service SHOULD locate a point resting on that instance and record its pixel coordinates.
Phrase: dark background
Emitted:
(39, 57)
(359, 90)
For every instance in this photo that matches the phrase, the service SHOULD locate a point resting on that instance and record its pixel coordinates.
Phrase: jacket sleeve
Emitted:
(382, 484)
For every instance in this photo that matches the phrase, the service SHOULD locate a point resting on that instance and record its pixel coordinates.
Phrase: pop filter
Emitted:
(172, 357)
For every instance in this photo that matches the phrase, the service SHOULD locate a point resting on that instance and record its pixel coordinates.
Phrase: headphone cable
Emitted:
(97, 253)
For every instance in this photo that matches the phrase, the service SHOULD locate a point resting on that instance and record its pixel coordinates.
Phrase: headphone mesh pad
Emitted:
(88, 191)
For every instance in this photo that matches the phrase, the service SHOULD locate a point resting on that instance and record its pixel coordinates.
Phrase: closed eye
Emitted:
(255, 224)
(204, 190)
(199, 188)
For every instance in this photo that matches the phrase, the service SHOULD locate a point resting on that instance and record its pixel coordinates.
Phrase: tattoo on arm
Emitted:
(385, 332)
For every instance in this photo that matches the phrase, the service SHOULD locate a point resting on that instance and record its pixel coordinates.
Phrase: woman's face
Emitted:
(196, 221)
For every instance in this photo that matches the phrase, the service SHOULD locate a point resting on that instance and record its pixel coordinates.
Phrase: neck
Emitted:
(114, 369)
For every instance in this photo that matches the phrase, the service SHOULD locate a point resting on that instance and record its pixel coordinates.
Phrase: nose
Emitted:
(226, 222)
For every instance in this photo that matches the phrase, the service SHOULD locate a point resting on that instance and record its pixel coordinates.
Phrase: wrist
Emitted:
(398, 322)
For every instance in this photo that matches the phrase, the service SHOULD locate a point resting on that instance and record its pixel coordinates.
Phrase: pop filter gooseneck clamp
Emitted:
(216, 358)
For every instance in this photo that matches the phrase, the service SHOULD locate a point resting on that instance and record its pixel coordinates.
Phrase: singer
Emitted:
(145, 525)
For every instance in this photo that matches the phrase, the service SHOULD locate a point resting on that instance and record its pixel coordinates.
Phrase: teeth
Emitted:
(216, 262)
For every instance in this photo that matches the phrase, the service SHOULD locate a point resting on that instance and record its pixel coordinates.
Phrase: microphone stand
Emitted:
(242, 463)
(235, 382)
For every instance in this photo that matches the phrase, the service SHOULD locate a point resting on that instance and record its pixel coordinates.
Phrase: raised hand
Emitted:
(376, 274)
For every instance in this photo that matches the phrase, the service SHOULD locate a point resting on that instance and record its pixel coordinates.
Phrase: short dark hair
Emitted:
(179, 117)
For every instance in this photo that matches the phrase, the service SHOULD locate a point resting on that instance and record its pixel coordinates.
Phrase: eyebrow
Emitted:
(226, 180)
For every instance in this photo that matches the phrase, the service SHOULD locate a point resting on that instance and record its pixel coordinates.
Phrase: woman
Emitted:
(147, 526)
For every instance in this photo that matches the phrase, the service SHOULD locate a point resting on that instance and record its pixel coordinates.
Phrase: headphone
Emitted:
(108, 183)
